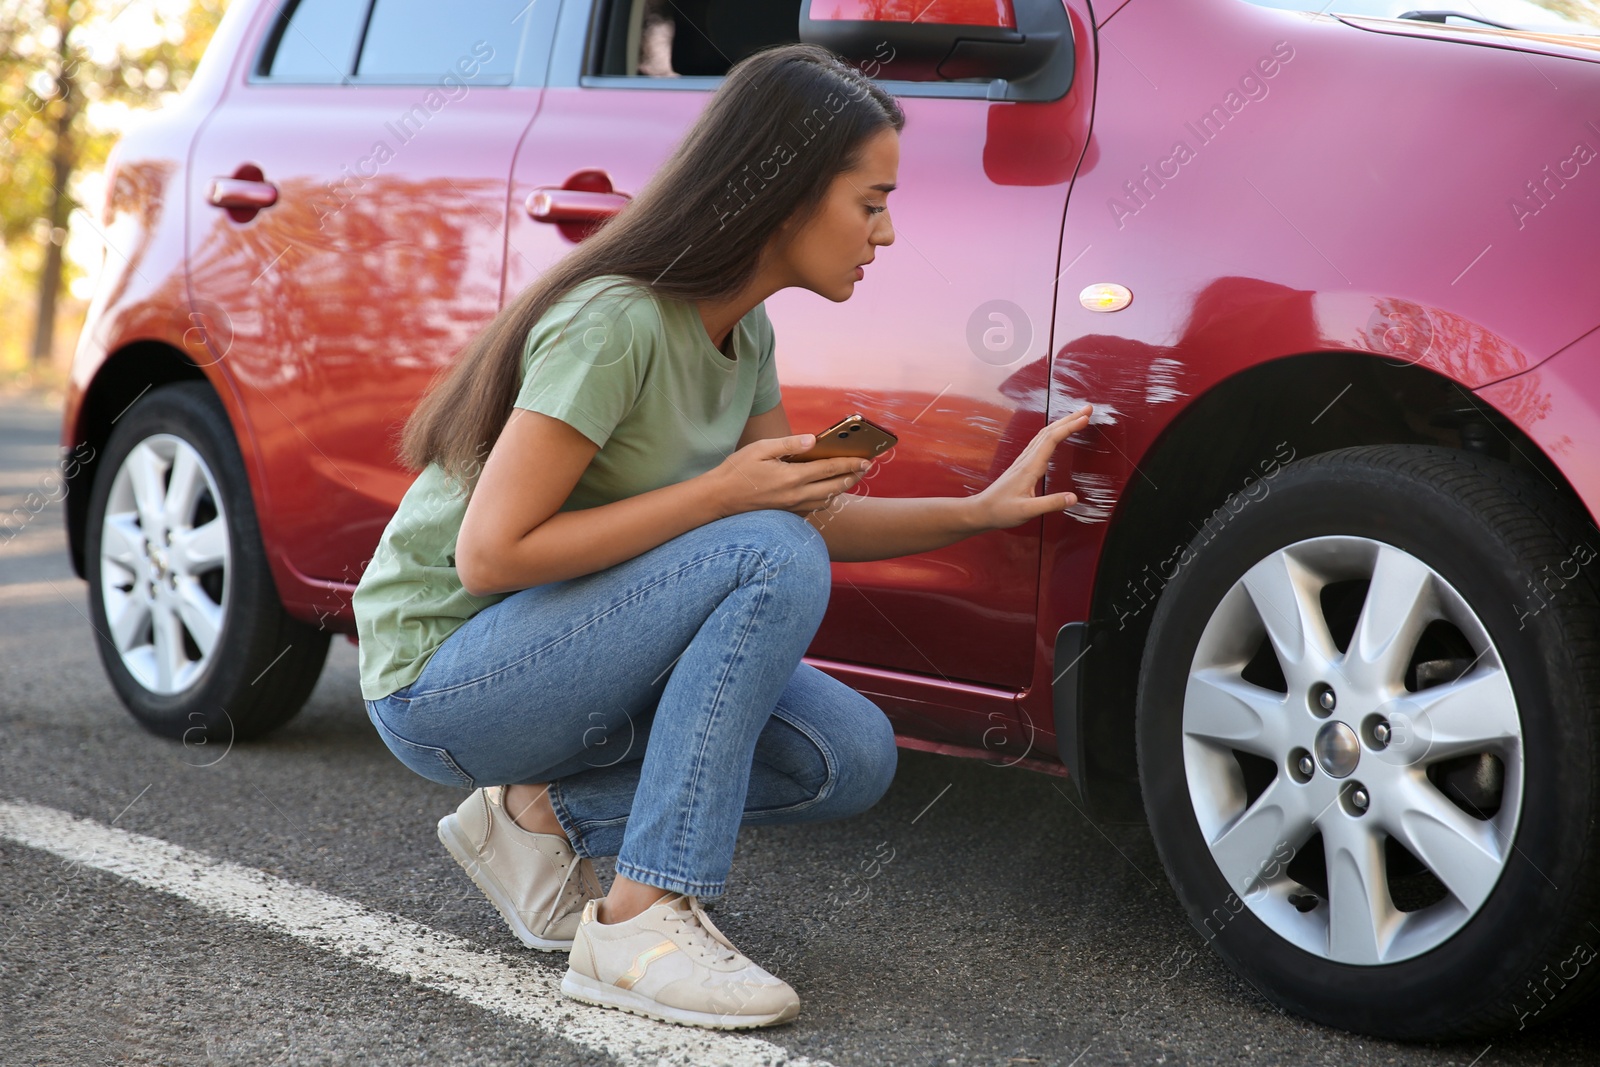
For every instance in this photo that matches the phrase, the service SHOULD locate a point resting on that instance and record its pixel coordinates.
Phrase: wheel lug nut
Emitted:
(1307, 766)
(1326, 700)
(1359, 799)
(1380, 733)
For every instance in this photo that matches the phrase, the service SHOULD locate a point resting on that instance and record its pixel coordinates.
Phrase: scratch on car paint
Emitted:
(1161, 381)
(1097, 497)
(1106, 413)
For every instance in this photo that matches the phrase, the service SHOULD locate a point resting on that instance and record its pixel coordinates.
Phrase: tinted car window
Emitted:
(316, 41)
(669, 38)
(421, 40)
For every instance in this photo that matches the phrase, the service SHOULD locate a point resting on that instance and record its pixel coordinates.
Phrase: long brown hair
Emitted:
(696, 231)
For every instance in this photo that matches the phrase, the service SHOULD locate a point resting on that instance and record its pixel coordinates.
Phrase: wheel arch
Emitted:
(1230, 440)
(126, 375)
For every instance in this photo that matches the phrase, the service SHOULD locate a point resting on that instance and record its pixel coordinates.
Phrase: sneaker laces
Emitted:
(573, 893)
(700, 932)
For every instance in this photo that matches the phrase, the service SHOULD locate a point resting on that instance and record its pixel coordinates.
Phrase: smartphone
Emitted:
(853, 435)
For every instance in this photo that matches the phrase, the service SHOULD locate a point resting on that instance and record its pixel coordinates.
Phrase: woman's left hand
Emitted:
(1009, 500)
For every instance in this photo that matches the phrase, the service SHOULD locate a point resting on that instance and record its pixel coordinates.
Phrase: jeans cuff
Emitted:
(703, 890)
(568, 822)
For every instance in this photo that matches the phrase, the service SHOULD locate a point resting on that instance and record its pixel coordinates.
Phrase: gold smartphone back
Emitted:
(853, 435)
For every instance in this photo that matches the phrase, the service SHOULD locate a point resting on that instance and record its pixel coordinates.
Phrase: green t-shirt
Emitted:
(633, 372)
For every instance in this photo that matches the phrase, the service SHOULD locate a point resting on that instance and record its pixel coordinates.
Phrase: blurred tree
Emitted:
(58, 59)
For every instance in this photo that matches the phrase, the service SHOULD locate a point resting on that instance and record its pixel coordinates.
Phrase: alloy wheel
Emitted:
(1353, 750)
(164, 555)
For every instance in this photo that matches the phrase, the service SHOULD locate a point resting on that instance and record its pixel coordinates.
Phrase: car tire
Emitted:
(189, 625)
(1431, 879)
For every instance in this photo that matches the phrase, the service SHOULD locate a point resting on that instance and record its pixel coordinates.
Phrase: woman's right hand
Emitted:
(756, 476)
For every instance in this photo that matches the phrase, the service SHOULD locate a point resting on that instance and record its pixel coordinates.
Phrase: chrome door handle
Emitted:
(241, 193)
(573, 205)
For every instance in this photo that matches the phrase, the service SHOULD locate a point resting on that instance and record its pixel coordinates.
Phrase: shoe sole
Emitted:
(606, 995)
(460, 848)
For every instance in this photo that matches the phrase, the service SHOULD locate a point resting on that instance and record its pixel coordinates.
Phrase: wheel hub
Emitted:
(1338, 749)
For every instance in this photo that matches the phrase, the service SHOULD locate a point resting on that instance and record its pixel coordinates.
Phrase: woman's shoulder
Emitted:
(612, 290)
(608, 296)
(760, 326)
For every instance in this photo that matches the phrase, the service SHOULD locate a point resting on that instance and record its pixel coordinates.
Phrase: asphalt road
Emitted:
(1003, 928)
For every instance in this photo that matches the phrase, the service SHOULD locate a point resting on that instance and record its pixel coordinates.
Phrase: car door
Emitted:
(347, 230)
(945, 343)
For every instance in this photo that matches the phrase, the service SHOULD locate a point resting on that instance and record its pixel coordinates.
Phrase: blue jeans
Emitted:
(663, 698)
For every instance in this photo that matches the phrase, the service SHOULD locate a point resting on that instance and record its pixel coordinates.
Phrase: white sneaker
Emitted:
(670, 963)
(535, 881)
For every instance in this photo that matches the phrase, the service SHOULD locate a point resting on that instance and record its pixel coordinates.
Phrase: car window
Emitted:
(1561, 16)
(689, 38)
(418, 41)
(315, 41)
(697, 41)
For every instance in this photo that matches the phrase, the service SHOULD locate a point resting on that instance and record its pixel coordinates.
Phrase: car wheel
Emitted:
(1367, 740)
(188, 621)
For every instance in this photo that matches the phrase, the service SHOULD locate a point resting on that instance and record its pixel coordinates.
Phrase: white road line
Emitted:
(379, 939)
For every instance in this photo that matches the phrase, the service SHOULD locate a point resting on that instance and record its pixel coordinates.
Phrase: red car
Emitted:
(1327, 613)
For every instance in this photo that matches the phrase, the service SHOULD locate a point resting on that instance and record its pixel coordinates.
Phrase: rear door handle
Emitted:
(573, 205)
(241, 193)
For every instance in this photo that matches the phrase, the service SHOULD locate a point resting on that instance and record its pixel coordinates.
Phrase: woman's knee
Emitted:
(785, 546)
(866, 762)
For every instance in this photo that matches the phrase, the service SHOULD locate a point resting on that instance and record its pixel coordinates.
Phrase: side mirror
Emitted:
(1023, 47)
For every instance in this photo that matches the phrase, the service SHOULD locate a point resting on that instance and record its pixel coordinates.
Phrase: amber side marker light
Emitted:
(1105, 296)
